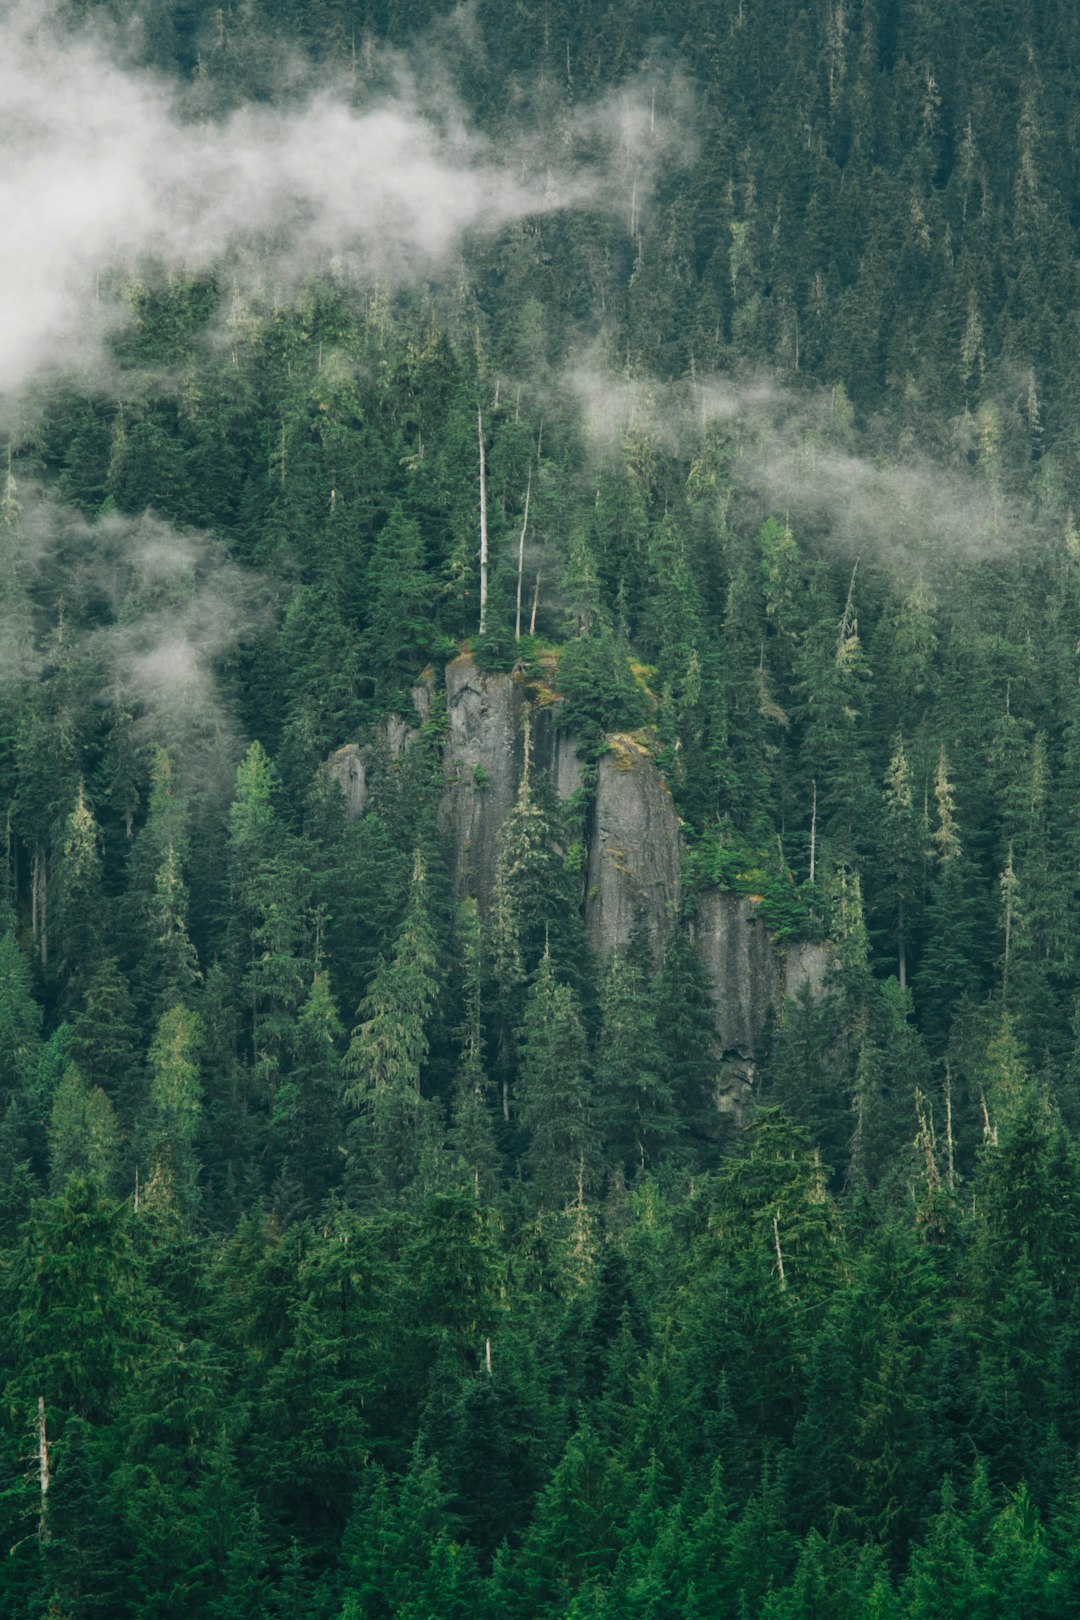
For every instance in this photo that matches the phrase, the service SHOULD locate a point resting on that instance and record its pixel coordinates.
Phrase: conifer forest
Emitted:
(540, 780)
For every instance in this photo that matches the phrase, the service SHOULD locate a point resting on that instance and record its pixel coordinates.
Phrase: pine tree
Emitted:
(401, 634)
(165, 960)
(175, 1106)
(471, 1133)
(572, 1535)
(80, 897)
(385, 1061)
(949, 970)
(685, 1021)
(554, 1098)
(20, 1022)
(84, 1549)
(633, 1099)
(833, 687)
(83, 1134)
(531, 904)
(902, 848)
(944, 1579)
(80, 1303)
(307, 1108)
(268, 926)
(104, 1038)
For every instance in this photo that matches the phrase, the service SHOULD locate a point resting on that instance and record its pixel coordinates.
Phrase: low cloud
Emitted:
(798, 454)
(109, 171)
(104, 166)
(151, 614)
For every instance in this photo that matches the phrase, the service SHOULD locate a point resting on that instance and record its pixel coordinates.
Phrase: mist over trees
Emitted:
(371, 1244)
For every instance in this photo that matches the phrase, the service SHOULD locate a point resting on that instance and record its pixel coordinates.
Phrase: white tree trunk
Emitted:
(813, 835)
(779, 1251)
(483, 526)
(43, 1469)
(521, 556)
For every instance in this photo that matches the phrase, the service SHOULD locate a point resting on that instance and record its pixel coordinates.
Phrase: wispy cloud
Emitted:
(167, 608)
(798, 454)
(103, 165)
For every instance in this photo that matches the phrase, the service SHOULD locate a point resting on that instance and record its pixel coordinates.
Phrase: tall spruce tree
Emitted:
(384, 1064)
(554, 1096)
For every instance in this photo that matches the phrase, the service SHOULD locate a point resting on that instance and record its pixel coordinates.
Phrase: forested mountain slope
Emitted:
(539, 747)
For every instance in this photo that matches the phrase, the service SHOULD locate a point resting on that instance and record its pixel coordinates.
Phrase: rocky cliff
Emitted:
(483, 761)
(634, 848)
(353, 764)
(750, 978)
(744, 970)
(484, 758)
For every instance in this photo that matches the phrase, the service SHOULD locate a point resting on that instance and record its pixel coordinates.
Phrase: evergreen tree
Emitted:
(20, 1021)
(83, 1134)
(401, 634)
(632, 1098)
(165, 960)
(385, 1060)
(80, 896)
(904, 853)
(554, 1096)
(174, 1106)
(471, 1131)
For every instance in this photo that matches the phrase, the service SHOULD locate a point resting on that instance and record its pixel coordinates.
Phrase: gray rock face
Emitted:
(483, 762)
(635, 852)
(555, 751)
(349, 766)
(743, 967)
(634, 858)
(733, 1093)
(807, 965)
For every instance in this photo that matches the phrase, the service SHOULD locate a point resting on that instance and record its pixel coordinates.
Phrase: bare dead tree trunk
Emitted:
(948, 1128)
(779, 1251)
(487, 1356)
(483, 525)
(990, 1135)
(1008, 888)
(813, 835)
(43, 1470)
(846, 621)
(521, 555)
(927, 1141)
(39, 899)
(536, 604)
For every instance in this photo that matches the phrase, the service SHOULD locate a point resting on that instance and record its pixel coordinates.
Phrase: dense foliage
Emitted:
(365, 1254)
